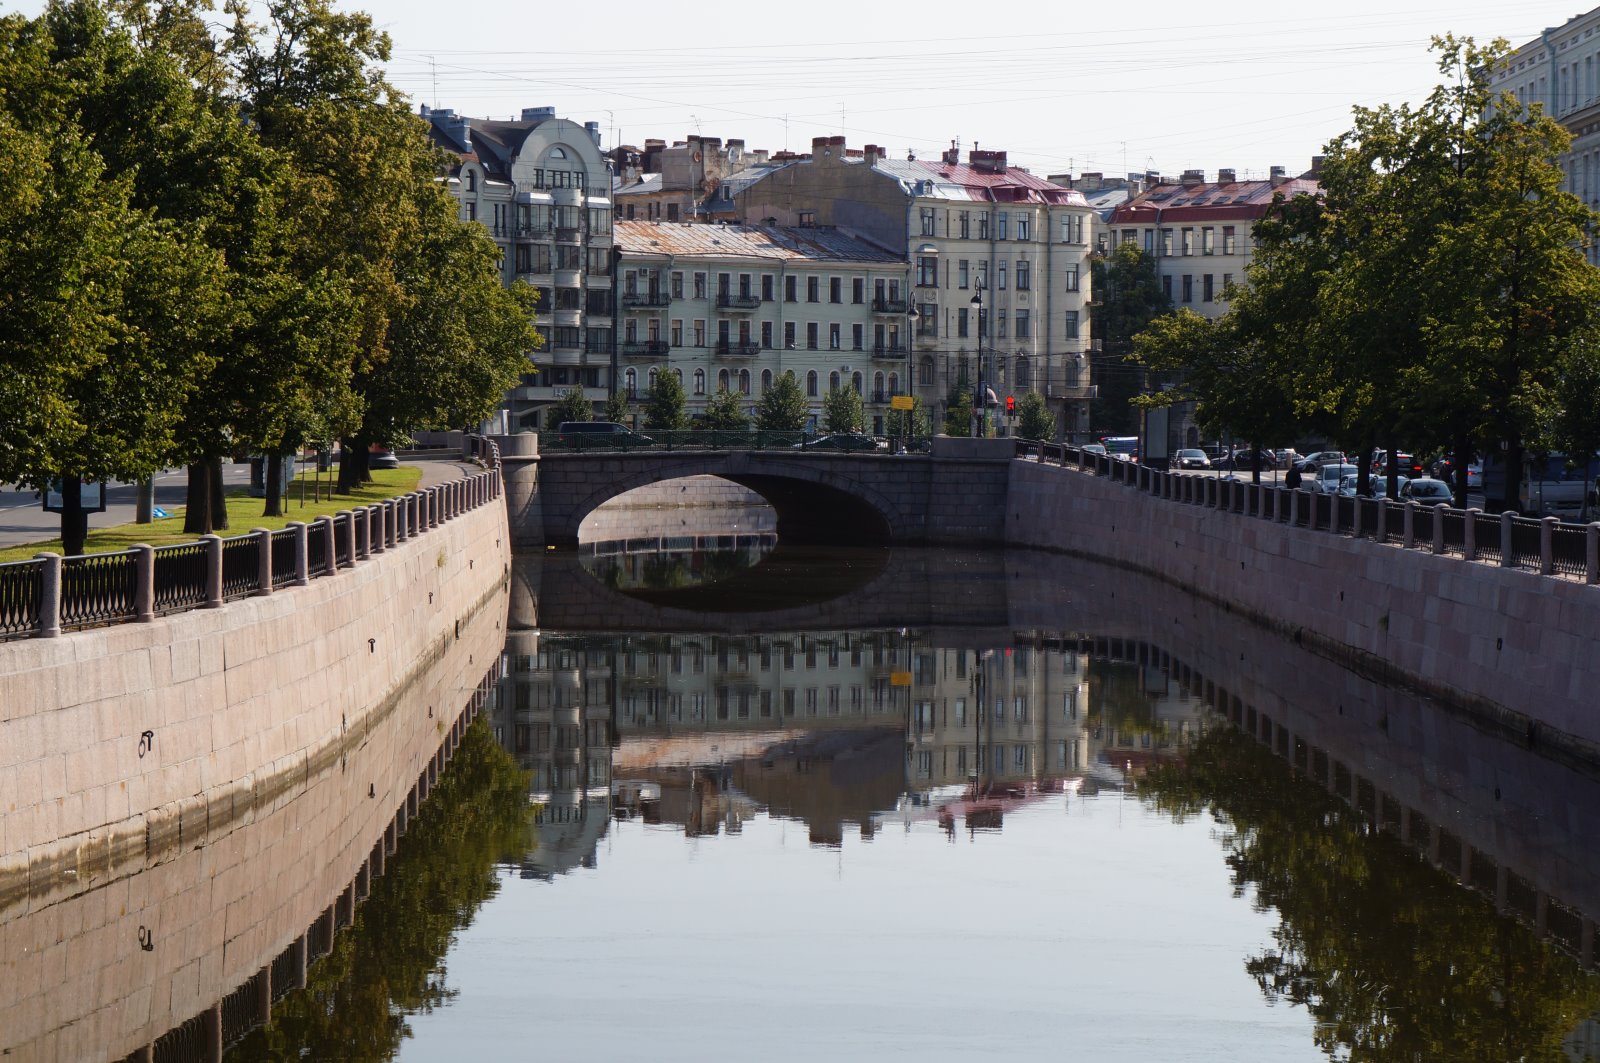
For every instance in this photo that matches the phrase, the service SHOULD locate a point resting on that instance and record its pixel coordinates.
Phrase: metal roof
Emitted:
(1197, 202)
(746, 241)
(958, 181)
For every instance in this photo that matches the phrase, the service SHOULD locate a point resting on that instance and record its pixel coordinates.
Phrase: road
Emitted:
(23, 519)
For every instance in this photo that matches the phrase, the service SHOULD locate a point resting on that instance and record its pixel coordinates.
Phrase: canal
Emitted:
(733, 800)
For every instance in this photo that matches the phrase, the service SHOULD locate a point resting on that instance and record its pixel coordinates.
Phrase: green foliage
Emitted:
(571, 406)
(725, 412)
(665, 408)
(958, 414)
(909, 424)
(1128, 297)
(616, 408)
(390, 962)
(782, 408)
(1034, 419)
(843, 410)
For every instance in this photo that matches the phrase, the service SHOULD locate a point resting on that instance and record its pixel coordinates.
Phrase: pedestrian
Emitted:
(1291, 479)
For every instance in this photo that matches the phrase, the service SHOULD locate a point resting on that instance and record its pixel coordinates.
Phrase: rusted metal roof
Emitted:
(1199, 202)
(958, 181)
(745, 241)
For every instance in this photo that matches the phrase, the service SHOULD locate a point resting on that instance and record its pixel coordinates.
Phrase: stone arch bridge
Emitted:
(957, 494)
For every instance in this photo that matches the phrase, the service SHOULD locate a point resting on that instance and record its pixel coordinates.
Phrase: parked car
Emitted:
(1285, 457)
(1445, 469)
(1426, 492)
(1093, 448)
(1243, 461)
(599, 434)
(1409, 466)
(1317, 459)
(840, 441)
(1377, 486)
(1327, 479)
(1191, 459)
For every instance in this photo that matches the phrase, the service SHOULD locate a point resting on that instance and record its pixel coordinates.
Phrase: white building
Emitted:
(542, 187)
(731, 307)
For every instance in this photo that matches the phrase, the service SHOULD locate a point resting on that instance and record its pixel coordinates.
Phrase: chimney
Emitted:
(953, 156)
(460, 128)
(537, 114)
(870, 154)
(735, 147)
(987, 161)
(1191, 178)
(1089, 181)
(1152, 178)
(1226, 177)
(1316, 164)
(819, 147)
(1279, 176)
(593, 129)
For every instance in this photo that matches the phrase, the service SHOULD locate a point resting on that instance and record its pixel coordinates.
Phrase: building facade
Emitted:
(732, 307)
(1560, 71)
(997, 261)
(542, 188)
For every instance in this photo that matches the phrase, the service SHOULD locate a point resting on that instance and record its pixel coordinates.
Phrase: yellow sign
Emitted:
(899, 679)
(900, 402)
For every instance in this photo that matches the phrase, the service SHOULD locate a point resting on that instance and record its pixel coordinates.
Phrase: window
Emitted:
(724, 328)
(983, 225)
(1023, 222)
(927, 221)
(672, 212)
(833, 336)
(1000, 324)
(722, 380)
(811, 384)
(699, 381)
(833, 385)
(472, 181)
(745, 290)
(1000, 276)
(1166, 243)
(1208, 237)
(766, 335)
(1188, 288)
(925, 371)
(813, 289)
(964, 222)
(983, 275)
(630, 331)
(699, 285)
(677, 333)
(1023, 276)
(766, 381)
(1227, 279)
(927, 271)
(788, 335)
(1166, 287)
(1000, 225)
(811, 335)
(1024, 371)
(857, 334)
(1024, 328)
(1227, 240)
(677, 285)
(766, 287)
(961, 324)
(630, 383)
(1071, 273)
(835, 289)
(807, 218)
(927, 320)
(1188, 241)
(1071, 326)
(699, 333)
(961, 273)
(858, 290)
(472, 212)
(1206, 291)
(789, 287)
(724, 286)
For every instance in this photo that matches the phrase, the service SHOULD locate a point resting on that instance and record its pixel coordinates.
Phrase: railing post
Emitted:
(1469, 535)
(1311, 520)
(375, 530)
(401, 530)
(361, 528)
(144, 583)
(330, 564)
(1408, 537)
(263, 559)
(1357, 516)
(349, 534)
(1591, 563)
(213, 571)
(1438, 526)
(302, 553)
(1507, 558)
(1383, 519)
(49, 596)
(1547, 545)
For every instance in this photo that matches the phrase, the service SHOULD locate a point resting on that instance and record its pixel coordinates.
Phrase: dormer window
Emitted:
(558, 153)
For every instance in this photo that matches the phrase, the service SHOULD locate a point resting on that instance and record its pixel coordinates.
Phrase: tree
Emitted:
(572, 406)
(958, 413)
(1572, 408)
(725, 412)
(843, 411)
(782, 408)
(665, 408)
(1034, 419)
(617, 408)
(908, 425)
(1128, 297)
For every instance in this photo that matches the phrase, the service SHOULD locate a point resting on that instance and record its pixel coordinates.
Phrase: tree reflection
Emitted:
(1394, 960)
(387, 965)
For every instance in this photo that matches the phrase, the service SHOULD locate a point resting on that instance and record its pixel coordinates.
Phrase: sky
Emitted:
(1108, 87)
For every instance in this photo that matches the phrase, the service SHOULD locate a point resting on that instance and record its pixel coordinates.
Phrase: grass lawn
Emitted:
(244, 513)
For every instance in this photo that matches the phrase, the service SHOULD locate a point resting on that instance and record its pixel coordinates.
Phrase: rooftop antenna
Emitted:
(696, 120)
(433, 67)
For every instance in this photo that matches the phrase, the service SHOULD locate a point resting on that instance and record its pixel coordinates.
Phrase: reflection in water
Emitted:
(742, 574)
(389, 963)
(673, 563)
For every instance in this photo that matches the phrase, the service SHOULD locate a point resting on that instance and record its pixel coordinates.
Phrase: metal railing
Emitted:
(1548, 547)
(49, 594)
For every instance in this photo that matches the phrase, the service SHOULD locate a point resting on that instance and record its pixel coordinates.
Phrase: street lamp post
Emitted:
(980, 397)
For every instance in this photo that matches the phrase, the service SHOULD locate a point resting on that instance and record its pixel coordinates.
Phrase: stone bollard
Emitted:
(302, 553)
(1469, 535)
(263, 560)
(1408, 536)
(349, 534)
(49, 596)
(213, 571)
(1439, 512)
(1311, 521)
(144, 583)
(1547, 545)
(1591, 563)
(1508, 559)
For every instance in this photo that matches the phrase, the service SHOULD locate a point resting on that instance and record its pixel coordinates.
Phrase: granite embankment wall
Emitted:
(126, 748)
(1511, 649)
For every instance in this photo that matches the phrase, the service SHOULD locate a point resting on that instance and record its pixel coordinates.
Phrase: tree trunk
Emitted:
(197, 508)
(352, 464)
(1391, 471)
(219, 496)
(1255, 463)
(274, 506)
(74, 521)
(1463, 458)
(1364, 468)
(1513, 453)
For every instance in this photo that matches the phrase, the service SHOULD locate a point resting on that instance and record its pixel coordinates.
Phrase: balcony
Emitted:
(1059, 391)
(569, 236)
(889, 350)
(533, 232)
(741, 348)
(569, 278)
(729, 301)
(890, 306)
(643, 348)
(635, 300)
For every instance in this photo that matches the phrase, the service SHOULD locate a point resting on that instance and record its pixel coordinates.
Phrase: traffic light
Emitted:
(1011, 404)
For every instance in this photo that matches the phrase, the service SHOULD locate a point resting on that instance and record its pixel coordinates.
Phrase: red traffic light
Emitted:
(1011, 403)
